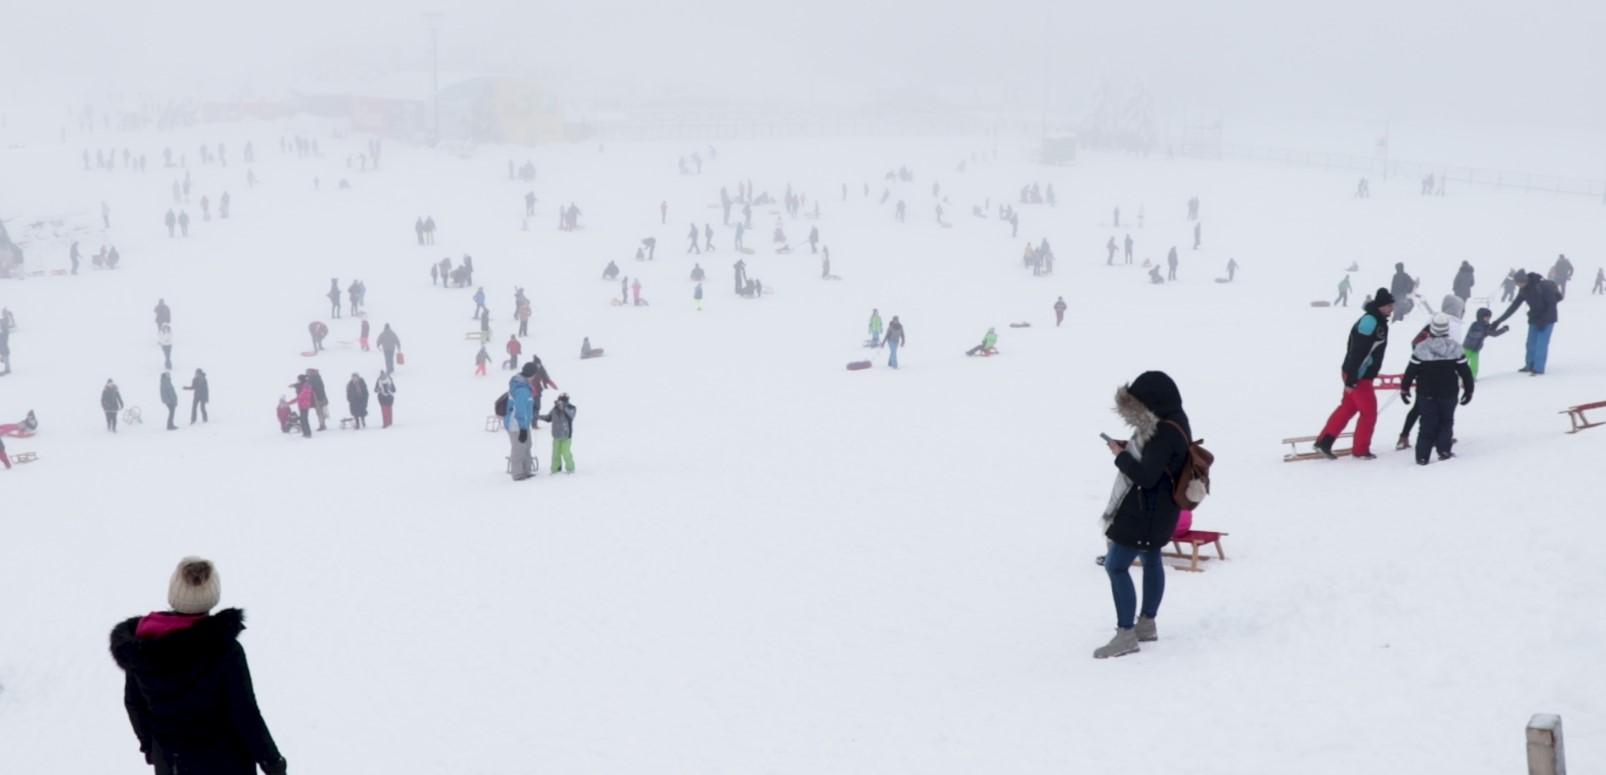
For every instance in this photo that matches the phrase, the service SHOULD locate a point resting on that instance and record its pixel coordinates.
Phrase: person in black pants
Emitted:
(1438, 367)
(169, 398)
(111, 401)
(202, 395)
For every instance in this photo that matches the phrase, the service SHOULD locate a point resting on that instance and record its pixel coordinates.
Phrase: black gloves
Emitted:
(275, 768)
(524, 435)
(1466, 398)
(1405, 397)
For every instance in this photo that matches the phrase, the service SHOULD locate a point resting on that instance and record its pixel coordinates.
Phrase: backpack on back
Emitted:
(1193, 484)
(501, 405)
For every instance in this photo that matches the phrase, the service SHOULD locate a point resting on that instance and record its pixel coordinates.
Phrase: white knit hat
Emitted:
(1440, 325)
(194, 588)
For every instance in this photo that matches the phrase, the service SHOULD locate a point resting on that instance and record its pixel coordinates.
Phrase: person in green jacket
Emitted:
(875, 328)
(987, 345)
(1343, 293)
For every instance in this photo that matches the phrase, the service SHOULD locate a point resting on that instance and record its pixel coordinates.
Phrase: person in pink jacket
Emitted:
(304, 402)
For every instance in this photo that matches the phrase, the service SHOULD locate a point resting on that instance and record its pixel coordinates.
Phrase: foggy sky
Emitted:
(1508, 63)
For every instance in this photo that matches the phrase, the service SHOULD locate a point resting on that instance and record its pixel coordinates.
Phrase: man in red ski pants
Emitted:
(1363, 358)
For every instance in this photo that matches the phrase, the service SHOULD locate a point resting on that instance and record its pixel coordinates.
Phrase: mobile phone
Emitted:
(1107, 438)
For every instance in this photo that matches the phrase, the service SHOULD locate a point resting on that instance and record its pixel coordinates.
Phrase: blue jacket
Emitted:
(520, 404)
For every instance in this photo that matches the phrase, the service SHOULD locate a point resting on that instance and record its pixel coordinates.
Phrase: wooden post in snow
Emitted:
(1545, 754)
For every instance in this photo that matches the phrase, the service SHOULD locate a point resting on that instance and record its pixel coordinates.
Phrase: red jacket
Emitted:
(513, 347)
(304, 397)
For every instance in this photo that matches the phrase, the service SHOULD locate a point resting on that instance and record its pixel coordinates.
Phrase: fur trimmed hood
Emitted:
(1147, 400)
(204, 640)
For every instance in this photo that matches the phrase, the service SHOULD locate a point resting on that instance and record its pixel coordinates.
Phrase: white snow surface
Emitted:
(767, 563)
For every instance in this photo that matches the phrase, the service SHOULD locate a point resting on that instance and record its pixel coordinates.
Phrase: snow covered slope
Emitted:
(767, 563)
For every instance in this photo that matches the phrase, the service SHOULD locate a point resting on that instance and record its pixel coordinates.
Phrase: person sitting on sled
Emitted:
(987, 344)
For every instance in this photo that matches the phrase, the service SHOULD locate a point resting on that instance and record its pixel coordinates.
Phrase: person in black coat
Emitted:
(111, 402)
(202, 395)
(1464, 280)
(357, 398)
(169, 398)
(187, 685)
(320, 398)
(1401, 287)
(1541, 296)
(1142, 513)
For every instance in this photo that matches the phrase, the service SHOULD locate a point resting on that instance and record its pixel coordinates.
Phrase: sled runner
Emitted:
(1575, 415)
(858, 365)
(492, 423)
(1295, 455)
(987, 353)
(347, 423)
(1320, 303)
(1195, 539)
(1020, 325)
(475, 336)
(24, 457)
(132, 416)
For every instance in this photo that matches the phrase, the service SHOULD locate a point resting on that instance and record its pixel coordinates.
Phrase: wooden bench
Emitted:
(1196, 539)
(1575, 415)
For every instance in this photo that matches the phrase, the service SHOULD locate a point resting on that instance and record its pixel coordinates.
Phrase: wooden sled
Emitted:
(476, 336)
(24, 457)
(858, 365)
(1195, 539)
(1295, 455)
(987, 353)
(1388, 382)
(1576, 416)
(348, 423)
(1020, 325)
(492, 423)
(1321, 304)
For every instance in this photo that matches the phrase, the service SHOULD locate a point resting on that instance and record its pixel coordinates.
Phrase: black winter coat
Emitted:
(357, 396)
(190, 700)
(111, 399)
(169, 395)
(1541, 296)
(319, 395)
(1368, 343)
(1147, 517)
(203, 393)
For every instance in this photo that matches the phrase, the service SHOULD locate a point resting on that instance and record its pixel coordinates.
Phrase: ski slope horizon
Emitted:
(766, 562)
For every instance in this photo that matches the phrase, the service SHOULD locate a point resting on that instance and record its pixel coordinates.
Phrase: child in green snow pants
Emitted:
(562, 455)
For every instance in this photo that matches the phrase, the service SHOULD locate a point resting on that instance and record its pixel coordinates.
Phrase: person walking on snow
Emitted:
(875, 328)
(164, 315)
(635, 290)
(697, 296)
(514, 350)
(1464, 280)
(1541, 296)
(479, 302)
(691, 237)
(1437, 365)
(561, 419)
(385, 393)
(334, 298)
(520, 415)
(357, 400)
(111, 402)
(1110, 248)
(200, 396)
(1171, 263)
(389, 344)
(1600, 282)
(1142, 513)
(305, 401)
(320, 398)
(482, 359)
(708, 237)
(1363, 358)
(362, 338)
(186, 683)
(169, 398)
(1059, 311)
(1343, 292)
(1401, 286)
(522, 313)
(539, 383)
(894, 340)
(164, 338)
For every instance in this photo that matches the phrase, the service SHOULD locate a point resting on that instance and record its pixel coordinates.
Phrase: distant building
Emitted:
(475, 109)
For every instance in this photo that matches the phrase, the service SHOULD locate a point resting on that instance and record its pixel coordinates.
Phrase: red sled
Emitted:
(858, 365)
(308, 353)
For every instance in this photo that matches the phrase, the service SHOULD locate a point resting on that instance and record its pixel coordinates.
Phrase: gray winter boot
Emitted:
(1147, 631)
(1125, 642)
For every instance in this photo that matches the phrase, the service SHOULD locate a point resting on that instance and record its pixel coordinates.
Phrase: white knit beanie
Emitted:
(1440, 325)
(194, 588)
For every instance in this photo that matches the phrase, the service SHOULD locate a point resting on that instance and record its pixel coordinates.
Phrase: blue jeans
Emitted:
(1539, 347)
(893, 361)
(1116, 563)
